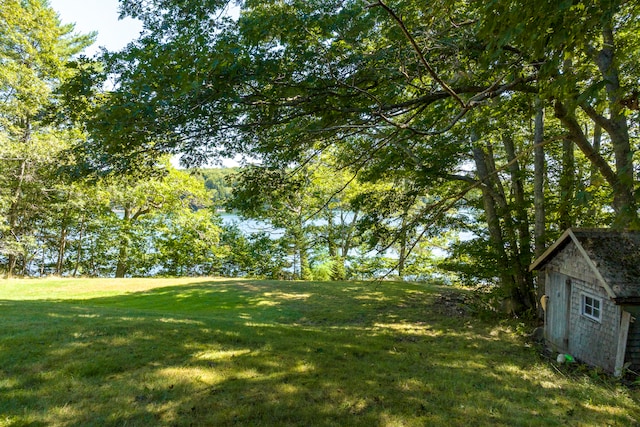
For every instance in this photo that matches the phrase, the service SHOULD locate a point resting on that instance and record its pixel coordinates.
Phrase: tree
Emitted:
(35, 50)
(581, 53)
(131, 227)
(217, 181)
(255, 255)
(188, 241)
(172, 195)
(313, 203)
(332, 210)
(87, 237)
(402, 90)
(278, 196)
(392, 219)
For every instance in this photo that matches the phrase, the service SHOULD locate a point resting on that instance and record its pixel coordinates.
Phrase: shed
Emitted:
(592, 292)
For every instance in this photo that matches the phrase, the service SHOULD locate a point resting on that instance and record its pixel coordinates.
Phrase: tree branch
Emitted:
(598, 118)
(577, 136)
(415, 46)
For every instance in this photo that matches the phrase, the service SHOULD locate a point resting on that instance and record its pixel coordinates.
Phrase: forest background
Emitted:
(371, 133)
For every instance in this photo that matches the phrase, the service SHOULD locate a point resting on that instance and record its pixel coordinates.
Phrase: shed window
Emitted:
(591, 307)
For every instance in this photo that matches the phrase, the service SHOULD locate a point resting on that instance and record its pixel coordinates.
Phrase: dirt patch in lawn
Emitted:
(455, 303)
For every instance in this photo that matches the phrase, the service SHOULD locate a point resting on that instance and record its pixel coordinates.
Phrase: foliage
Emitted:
(256, 255)
(35, 51)
(411, 119)
(219, 184)
(313, 204)
(188, 242)
(122, 226)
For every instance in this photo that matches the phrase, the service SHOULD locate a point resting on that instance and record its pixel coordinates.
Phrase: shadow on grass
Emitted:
(279, 353)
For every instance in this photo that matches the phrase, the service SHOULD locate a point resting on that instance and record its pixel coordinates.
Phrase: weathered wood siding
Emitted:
(590, 341)
(558, 289)
(633, 340)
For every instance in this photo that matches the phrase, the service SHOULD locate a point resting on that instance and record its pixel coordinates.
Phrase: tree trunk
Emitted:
(42, 256)
(539, 175)
(567, 186)
(62, 245)
(79, 248)
(331, 241)
(300, 248)
(508, 230)
(493, 221)
(123, 247)
(305, 269)
(12, 259)
(13, 214)
(597, 142)
(402, 250)
(523, 277)
(594, 176)
(347, 235)
(621, 179)
(623, 195)
(618, 130)
(121, 267)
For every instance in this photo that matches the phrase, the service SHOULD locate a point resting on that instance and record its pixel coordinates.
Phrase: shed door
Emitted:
(558, 310)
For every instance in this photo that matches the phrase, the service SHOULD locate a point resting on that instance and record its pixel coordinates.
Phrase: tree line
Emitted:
(410, 118)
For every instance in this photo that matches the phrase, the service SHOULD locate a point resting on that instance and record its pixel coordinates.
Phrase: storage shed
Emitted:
(592, 292)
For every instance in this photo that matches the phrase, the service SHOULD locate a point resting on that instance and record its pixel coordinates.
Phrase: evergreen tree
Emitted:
(35, 52)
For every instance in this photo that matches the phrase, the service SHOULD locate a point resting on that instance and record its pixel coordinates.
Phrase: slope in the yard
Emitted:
(223, 352)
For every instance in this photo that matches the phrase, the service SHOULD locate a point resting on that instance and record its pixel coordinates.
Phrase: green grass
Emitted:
(238, 352)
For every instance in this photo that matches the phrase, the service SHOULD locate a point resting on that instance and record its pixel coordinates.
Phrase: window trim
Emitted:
(587, 310)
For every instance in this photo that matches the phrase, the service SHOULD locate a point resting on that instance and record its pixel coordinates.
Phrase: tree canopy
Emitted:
(495, 118)
(402, 83)
(447, 99)
(35, 52)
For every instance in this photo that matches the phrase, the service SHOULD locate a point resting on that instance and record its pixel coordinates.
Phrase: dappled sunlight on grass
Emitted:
(606, 410)
(373, 296)
(550, 384)
(53, 288)
(190, 377)
(215, 355)
(286, 296)
(223, 352)
(180, 321)
(267, 303)
(407, 328)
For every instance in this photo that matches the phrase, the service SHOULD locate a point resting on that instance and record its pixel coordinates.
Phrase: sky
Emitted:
(100, 16)
(113, 34)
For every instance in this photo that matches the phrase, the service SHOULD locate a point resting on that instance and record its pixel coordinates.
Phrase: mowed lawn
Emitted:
(208, 352)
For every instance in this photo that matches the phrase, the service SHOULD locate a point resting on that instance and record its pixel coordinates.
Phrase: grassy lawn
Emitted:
(207, 352)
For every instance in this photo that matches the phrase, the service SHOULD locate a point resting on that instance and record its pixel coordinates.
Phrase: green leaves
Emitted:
(35, 50)
(396, 92)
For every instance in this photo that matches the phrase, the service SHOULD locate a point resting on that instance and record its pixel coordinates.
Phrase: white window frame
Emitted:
(591, 307)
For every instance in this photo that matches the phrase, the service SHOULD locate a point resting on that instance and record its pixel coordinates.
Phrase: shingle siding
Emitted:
(570, 262)
(633, 340)
(593, 342)
(600, 263)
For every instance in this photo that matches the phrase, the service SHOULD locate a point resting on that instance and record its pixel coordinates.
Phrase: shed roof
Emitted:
(614, 256)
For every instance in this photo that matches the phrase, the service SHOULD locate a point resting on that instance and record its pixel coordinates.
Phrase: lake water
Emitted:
(251, 226)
